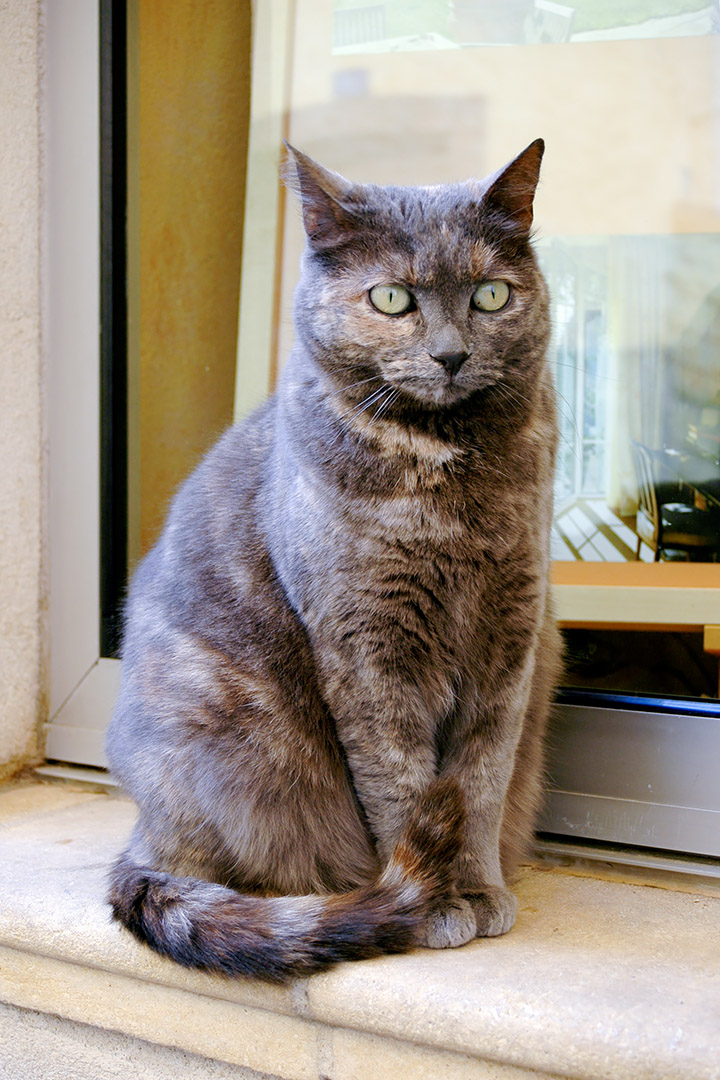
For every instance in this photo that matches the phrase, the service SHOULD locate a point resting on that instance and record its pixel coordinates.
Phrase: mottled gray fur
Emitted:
(350, 600)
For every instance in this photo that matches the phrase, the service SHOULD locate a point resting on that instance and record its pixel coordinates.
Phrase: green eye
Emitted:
(491, 295)
(391, 299)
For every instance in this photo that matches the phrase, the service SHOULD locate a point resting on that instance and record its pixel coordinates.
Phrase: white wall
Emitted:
(23, 589)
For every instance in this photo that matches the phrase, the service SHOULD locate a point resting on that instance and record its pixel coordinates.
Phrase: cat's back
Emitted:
(208, 545)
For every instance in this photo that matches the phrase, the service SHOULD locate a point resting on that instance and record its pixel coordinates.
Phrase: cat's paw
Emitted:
(495, 909)
(450, 925)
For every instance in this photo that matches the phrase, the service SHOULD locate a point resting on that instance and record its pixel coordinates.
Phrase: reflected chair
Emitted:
(667, 524)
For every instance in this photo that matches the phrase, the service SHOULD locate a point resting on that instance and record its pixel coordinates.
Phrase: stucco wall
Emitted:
(22, 516)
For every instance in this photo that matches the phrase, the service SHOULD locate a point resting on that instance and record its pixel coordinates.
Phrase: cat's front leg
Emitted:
(480, 875)
(387, 727)
(389, 773)
(491, 742)
(493, 905)
(480, 872)
(494, 908)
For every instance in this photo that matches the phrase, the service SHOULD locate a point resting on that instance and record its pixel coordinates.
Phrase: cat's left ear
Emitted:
(512, 190)
(328, 221)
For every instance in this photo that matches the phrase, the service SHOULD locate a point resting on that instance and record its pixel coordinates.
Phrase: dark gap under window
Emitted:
(640, 662)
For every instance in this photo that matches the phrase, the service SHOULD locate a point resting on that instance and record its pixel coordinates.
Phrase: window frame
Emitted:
(84, 682)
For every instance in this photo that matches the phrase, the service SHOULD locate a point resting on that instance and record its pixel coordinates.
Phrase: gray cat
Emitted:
(339, 657)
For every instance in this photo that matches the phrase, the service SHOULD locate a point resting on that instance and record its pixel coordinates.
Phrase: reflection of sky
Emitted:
(405, 26)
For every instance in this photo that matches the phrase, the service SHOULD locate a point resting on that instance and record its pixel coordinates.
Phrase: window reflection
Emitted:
(627, 212)
(637, 367)
(409, 25)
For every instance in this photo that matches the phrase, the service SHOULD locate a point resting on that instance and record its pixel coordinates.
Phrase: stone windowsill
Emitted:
(599, 979)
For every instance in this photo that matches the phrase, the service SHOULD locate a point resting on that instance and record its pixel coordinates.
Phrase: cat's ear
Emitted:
(512, 189)
(328, 222)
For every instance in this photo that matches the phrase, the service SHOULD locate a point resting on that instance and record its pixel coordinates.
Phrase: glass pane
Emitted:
(639, 389)
(628, 214)
(436, 24)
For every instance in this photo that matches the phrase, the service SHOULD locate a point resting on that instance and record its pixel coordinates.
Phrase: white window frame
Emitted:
(83, 685)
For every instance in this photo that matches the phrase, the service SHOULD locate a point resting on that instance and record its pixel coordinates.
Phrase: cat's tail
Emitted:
(201, 925)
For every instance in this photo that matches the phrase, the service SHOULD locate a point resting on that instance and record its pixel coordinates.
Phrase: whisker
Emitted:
(382, 401)
(579, 367)
(393, 396)
(365, 403)
(571, 417)
(512, 393)
(368, 401)
(383, 404)
(351, 386)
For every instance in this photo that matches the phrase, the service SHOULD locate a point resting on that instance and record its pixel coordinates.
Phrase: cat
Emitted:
(339, 657)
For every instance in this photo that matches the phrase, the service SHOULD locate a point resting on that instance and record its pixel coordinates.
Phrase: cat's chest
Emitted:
(444, 536)
(401, 570)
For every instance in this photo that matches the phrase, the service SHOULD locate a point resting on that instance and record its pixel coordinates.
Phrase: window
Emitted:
(629, 221)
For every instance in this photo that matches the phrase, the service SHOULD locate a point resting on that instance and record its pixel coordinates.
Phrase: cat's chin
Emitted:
(443, 395)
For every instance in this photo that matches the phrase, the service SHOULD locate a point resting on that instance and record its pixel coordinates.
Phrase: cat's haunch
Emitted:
(338, 658)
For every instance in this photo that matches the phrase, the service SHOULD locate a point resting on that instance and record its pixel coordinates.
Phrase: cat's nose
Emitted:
(451, 361)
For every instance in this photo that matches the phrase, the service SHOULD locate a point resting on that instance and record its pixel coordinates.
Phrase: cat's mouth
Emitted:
(443, 388)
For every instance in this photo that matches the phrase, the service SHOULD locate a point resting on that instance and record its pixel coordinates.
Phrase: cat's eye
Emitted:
(391, 299)
(491, 295)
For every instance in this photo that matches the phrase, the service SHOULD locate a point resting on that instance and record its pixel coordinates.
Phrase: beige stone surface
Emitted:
(35, 1046)
(54, 864)
(351, 1055)
(262, 1040)
(20, 801)
(22, 569)
(599, 979)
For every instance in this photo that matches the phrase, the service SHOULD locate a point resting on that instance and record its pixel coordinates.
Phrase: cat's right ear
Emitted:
(323, 196)
(511, 190)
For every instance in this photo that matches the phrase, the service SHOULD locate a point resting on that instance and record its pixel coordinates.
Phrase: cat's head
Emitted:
(433, 291)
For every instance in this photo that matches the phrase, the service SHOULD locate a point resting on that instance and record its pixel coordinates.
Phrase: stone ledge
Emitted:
(599, 979)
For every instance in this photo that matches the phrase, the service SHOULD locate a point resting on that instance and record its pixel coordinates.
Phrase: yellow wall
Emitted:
(189, 74)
